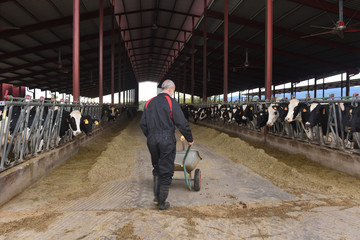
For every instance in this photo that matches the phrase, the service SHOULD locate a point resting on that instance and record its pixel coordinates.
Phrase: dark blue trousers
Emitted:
(162, 148)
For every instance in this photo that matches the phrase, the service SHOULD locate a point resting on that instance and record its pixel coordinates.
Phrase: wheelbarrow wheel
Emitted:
(197, 180)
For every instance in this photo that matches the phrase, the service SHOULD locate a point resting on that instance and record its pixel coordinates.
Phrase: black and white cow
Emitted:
(261, 118)
(86, 124)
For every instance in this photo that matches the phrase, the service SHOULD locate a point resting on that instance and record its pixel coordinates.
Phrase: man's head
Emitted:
(168, 87)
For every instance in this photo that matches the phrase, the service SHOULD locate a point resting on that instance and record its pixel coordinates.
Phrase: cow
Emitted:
(87, 124)
(298, 111)
(112, 114)
(238, 115)
(262, 118)
(75, 116)
(273, 114)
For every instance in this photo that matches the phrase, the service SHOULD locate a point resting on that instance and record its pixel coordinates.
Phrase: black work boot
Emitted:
(156, 190)
(164, 191)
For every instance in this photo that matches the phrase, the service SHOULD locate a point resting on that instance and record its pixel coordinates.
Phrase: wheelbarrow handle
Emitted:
(187, 151)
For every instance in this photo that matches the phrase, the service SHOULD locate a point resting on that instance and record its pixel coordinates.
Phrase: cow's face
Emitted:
(273, 114)
(292, 110)
(86, 125)
(283, 111)
(317, 111)
(75, 118)
(248, 113)
(262, 118)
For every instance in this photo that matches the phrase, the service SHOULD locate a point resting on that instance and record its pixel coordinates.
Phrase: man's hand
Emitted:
(190, 143)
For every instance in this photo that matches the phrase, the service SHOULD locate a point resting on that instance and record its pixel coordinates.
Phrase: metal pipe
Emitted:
(101, 34)
(269, 48)
(119, 67)
(76, 50)
(192, 61)
(112, 53)
(226, 48)
(204, 52)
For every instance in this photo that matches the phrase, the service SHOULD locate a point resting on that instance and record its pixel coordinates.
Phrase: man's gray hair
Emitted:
(167, 84)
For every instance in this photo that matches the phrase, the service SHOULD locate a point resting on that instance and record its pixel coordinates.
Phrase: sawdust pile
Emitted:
(293, 173)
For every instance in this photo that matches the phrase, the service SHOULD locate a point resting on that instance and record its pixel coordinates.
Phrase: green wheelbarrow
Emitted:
(187, 161)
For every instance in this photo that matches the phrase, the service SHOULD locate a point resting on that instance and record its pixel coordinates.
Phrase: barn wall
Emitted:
(335, 159)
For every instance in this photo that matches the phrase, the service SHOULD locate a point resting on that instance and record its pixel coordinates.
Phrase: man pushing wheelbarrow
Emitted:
(161, 114)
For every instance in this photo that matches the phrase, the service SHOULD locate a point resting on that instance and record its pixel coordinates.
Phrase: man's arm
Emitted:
(181, 123)
(143, 125)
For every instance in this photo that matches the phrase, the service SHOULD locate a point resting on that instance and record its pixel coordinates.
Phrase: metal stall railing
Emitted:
(336, 134)
(32, 127)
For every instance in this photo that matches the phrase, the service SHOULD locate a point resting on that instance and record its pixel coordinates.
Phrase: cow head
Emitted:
(262, 118)
(74, 122)
(317, 113)
(291, 110)
(273, 114)
(283, 110)
(87, 124)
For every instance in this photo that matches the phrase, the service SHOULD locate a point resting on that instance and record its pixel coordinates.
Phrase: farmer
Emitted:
(161, 114)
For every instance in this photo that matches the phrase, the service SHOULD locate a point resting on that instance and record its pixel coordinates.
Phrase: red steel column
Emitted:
(204, 52)
(226, 48)
(119, 67)
(269, 48)
(101, 34)
(184, 86)
(76, 49)
(192, 62)
(112, 53)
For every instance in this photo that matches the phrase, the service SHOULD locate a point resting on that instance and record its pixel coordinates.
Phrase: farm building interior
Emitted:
(276, 181)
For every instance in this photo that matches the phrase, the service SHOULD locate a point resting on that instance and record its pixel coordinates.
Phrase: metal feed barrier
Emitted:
(29, 139)
(335, 136)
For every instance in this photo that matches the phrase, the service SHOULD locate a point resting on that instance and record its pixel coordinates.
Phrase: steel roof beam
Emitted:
(161, 38)
(157, 9)
(329, 7)
(150, 26)
(48, 60)
(150, 46)
(278, 51)
(282, 31)
(52, 23)
(50, 46)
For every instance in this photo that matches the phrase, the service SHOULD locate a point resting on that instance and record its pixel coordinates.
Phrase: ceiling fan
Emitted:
(339, 27)
(246, 64)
